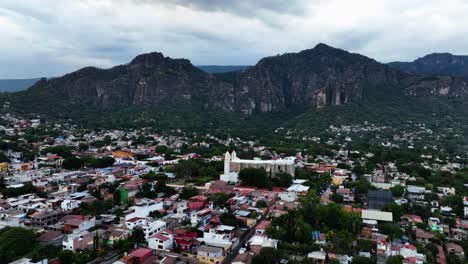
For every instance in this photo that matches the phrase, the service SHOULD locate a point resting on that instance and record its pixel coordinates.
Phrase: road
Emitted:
(231, 256)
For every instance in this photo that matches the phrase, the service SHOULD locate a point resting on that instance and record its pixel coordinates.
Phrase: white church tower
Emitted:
(234, 155)
(227, 162)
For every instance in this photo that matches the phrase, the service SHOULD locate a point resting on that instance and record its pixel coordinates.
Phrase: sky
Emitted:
(48, 38)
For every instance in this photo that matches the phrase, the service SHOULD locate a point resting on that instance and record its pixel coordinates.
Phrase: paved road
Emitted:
(231, 256)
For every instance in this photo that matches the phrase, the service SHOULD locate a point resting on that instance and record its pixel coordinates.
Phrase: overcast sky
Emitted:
(51, 37)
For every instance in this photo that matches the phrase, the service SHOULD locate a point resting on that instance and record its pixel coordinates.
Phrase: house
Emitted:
(256, 243)
(218, 236)
(457, 250)
(45, 218)
(117, 234)
(221, 186)
(197, 202)
(70, 204)
(377, 215)
(243, 258)
(149, 226)
(77, 241)
(423, 236)
(161, 241)
(144, 211)
(51, 238)
(77, 223)
(186, 241)
(209, 254)
(261, 227)
(348, 195)
(445, 191)
(415, 192)
(339, 176)
(11, 217)
(200, 217)
(318, 257)
(140, 256)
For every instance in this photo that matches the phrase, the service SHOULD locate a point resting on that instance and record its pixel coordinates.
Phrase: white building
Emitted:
(231, 177)
(161, 241)
(219, 236)
(69, 204)
(234, 164)
(77, 241)
(149, 226)
(143, 211)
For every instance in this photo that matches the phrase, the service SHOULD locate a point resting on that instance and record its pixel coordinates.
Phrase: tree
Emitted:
(65, 257)
(267, 255)
(397, 190)
(25, 189)
(101, 162)
(392, 230)
(336, 197)
(72, 163)
(456, 203)
(117, 198)
(62, 151)
(186, 168)
(283, 179)
(361, 260)
(219, 199)
(396, 209)
(230, 220)
(138, 236)
(156, 214)
(41, 252)
(188, 192)
(394, 260)
(343, 166)
(261, 204)
(254, 177)
(83, 146)
(15, 242)
(3, 157)
(359, 170)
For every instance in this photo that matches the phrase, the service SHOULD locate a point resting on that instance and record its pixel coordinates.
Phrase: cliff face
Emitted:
(149, 79)
(312, 78)
(436, 63)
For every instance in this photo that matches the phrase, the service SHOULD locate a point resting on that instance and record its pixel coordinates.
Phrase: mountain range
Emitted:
(15, 85)
(311, 78)
(309, 90)
(436, 63)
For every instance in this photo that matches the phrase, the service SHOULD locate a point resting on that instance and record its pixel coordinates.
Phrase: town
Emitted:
(71, 195)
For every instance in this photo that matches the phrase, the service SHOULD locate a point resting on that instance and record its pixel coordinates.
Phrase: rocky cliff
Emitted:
(311, 78)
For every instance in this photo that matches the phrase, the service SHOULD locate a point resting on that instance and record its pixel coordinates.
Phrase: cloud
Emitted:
(50, 38)
(238, 7)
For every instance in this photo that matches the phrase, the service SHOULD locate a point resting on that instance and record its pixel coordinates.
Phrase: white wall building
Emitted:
(69, 204)
(161, 241)
(143, 211)
(149, 226)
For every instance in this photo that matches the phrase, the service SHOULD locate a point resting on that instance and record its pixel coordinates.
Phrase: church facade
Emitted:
(233, 164)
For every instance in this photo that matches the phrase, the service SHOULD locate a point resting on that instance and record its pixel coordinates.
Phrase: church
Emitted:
(234, 164)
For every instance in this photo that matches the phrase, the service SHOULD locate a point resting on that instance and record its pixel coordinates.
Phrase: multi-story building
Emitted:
(208, 254)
